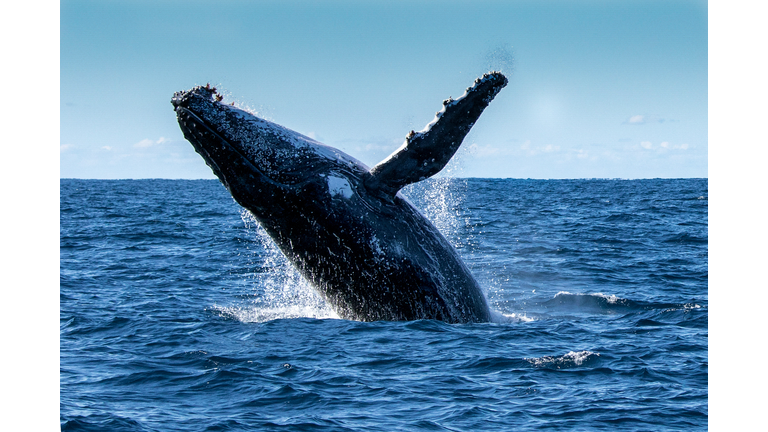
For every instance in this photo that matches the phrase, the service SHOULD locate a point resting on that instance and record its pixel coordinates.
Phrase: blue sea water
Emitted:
(178, 313)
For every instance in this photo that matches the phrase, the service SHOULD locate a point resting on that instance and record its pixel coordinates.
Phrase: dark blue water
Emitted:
(177, 313)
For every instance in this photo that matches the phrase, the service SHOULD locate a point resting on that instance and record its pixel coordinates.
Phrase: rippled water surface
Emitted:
(177, 313)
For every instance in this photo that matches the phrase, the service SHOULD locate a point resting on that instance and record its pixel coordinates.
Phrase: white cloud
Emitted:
(150, 143)
(65, 147)
(533, 149)
(663, 146)
(107, 148)
(482, 151)
(640, 119)
(549, 148)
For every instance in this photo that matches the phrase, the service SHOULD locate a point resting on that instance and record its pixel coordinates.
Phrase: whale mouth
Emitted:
(207, 124)
(206, 141)
(187, 105)
(218, 152)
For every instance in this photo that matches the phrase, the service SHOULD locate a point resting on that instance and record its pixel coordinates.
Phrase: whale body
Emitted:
(368, 252)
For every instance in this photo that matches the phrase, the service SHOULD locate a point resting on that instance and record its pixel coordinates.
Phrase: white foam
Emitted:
(610, 298)
(504, 318)
(263, 314)
(576, 358)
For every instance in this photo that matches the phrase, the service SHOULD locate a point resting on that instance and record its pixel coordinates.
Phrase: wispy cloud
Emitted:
(528, 148)
(65, 147)
(150, 143)
(484, 150)
(378, 147)
(549, 148)
(664, 145)
(641, 119)
(535, 149)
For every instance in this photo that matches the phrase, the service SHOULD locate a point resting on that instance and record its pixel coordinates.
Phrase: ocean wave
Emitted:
(601, 303)
(572, 359)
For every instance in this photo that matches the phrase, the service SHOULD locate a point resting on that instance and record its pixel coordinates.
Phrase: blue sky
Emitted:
(596, 88)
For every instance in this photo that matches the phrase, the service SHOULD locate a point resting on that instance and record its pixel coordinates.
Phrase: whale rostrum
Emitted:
(368, 252)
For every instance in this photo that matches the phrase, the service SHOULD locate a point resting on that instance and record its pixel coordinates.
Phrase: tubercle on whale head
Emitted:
(203, 93)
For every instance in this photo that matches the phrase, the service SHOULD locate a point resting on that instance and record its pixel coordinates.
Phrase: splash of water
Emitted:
(281, 291)
(443, 198)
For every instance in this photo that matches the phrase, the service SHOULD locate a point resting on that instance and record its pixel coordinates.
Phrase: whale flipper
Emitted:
(425, 153)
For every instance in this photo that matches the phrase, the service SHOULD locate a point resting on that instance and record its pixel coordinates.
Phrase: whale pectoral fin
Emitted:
(427, 152)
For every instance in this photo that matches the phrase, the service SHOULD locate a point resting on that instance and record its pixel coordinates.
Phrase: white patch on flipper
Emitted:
(339, 186)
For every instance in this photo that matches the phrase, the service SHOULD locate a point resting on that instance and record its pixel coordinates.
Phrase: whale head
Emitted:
(257, 161)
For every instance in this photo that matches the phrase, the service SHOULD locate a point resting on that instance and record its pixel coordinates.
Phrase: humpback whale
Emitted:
(368, 252)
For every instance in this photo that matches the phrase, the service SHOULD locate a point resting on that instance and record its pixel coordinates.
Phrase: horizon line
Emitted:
(431, 178)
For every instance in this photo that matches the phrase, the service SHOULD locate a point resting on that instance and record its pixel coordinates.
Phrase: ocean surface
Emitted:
(179, 314)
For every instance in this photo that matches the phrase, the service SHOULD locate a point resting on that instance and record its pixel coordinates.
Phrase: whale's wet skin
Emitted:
(345, 227)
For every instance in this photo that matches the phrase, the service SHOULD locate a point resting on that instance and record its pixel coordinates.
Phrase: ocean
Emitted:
(177, 313)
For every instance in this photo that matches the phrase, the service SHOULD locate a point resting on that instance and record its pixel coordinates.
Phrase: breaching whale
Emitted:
(368, 252)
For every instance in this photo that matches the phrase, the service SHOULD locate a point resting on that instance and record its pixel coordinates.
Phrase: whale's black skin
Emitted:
(369, 252)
